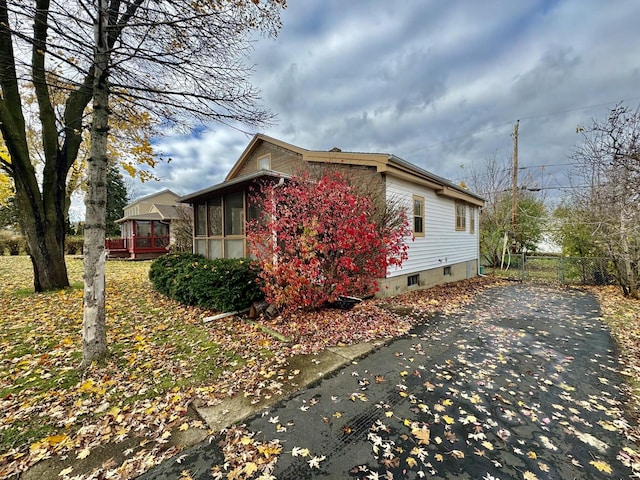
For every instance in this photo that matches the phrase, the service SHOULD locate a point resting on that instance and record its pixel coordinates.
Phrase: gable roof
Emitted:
(152, 195)
(166, 212)
(386, 163)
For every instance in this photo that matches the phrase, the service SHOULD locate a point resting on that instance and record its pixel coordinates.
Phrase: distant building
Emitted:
(145, 229)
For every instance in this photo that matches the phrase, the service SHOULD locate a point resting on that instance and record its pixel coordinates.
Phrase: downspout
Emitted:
(478, 245)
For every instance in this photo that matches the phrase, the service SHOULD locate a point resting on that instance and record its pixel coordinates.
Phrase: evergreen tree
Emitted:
(117, 199)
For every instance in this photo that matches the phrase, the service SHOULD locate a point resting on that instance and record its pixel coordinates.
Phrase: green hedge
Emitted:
(222, 284)
(73, 244)
(12, 244)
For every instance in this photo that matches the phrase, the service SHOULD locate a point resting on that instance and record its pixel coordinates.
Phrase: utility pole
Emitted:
(514, 211)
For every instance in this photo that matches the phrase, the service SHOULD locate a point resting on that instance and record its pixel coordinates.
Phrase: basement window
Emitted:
(447, 271)
(413, 280)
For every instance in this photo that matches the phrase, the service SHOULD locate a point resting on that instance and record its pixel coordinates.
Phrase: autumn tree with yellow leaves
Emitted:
(129, 148)
(180, 62)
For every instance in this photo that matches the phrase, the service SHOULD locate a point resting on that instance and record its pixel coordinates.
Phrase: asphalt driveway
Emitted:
(524, 384)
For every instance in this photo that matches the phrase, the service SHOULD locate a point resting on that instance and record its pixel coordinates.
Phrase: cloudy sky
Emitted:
(437, 83)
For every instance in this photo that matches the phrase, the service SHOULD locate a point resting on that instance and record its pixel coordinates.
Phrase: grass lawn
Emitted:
(622, 315)
(163, 357)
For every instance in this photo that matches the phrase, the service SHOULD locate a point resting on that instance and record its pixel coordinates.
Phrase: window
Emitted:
(220, 226)
(413, 280)
(151, 234)
(446, 271)
(143, 233)
(200, 247)
(234, 214)
(264, 162)
(160, 234)
(143, 228)
(160, 229)
(233, 248)
(472, 220)
(461, 216)
(215, 248)
(418, 216)
(201, 220)
(253, 210)
(214, 208)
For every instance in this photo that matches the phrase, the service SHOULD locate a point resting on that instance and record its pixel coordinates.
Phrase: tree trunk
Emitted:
(94, 333)
(44, 233)
(628, 269)
(45, 238)
(46, 251)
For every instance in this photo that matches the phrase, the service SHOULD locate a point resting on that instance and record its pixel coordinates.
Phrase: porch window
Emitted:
(234, 214)
(200, 246)
(418, 216)
(253, 210)
(143, 234)
(215, 248)
(125, 229)
(461, 216)
(214, 208)
(201, 220)
(234, 248)
(220, 226)
(160, 234)
(151, 234)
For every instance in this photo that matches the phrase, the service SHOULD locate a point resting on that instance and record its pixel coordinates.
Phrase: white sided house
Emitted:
(444, 216)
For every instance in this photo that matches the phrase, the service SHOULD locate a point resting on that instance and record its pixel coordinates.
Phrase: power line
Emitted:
(509, 169)
(548, 165)
(536, 189)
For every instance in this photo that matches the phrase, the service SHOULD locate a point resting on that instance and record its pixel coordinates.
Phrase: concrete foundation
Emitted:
(427, 278)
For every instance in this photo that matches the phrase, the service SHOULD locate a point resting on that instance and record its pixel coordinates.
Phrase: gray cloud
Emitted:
(438, 83)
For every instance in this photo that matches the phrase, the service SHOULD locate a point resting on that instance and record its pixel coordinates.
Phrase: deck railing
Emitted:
(115, 243)
(135, 244)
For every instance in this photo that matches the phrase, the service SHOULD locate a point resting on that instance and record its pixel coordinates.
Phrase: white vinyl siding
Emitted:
(441, 245)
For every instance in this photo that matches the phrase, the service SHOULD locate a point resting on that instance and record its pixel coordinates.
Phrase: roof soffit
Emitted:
(376, 160)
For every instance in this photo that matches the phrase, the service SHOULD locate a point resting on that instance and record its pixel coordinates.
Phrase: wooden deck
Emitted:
(137, 248)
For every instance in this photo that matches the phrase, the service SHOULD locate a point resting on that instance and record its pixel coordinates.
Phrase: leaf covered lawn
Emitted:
(163, 357)
(622, 315)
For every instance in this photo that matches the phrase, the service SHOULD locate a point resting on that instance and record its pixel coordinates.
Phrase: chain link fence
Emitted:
(562, 270)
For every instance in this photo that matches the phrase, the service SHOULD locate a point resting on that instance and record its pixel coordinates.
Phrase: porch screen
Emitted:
(161, 234)
(215, 216)
(201, 220)
(143, 234)
(233, 214)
